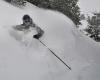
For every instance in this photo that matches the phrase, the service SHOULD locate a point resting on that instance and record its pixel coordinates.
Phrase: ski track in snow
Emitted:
(25, 58)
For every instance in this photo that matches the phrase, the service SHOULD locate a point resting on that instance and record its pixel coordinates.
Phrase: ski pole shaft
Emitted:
(56, 56)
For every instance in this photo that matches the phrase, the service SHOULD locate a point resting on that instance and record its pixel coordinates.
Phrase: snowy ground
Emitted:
(34, 61)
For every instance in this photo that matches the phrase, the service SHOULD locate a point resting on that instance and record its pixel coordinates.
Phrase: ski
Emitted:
(56, 55)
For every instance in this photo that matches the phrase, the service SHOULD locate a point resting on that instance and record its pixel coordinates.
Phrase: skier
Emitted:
(27, 24)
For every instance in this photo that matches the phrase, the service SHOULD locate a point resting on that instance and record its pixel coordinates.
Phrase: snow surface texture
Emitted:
(25, 58)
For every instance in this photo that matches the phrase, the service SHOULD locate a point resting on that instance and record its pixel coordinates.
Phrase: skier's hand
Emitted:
(36, 36)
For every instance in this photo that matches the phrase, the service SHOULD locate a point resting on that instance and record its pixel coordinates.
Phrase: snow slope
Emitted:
(34, 61)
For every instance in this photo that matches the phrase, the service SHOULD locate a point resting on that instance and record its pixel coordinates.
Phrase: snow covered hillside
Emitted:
(25, 58)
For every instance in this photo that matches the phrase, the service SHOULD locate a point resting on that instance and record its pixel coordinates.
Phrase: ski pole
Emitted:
(56, 56)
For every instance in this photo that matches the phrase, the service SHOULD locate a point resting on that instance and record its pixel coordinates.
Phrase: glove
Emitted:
(36, 36)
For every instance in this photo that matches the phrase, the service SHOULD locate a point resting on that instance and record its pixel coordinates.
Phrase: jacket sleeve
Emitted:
(39, 30)
(18, 27)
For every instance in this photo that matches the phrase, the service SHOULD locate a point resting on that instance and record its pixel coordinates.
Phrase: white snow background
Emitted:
(25, 58)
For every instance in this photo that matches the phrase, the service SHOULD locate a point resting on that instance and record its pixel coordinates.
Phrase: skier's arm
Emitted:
(39, 34)
(18, 27)
(39, 30)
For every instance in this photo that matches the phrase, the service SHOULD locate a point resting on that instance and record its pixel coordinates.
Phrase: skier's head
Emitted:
(27, 20)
